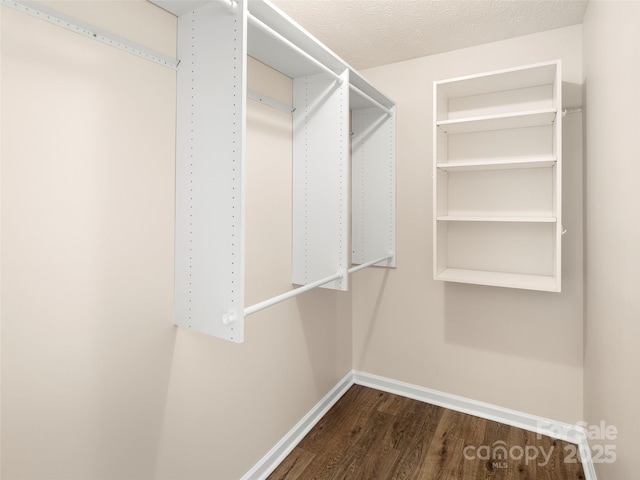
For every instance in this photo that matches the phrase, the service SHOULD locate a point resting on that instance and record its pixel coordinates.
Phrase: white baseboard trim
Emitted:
(563, 431)
(585, 457)
(278, 453)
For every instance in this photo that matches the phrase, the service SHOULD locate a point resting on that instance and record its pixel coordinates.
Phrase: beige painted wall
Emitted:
(612, 333)
(97, 382)
(513, 348)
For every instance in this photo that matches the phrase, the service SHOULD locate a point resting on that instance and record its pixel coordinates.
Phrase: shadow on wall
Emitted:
(374, 317)
(540, 325)
(325, 317)
(516, 322)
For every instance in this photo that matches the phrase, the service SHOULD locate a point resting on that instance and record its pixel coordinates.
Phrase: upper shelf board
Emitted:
(505, 219)
(272, 52)
(541, 162)
(499, 122)
(510, 79)
(501, 279)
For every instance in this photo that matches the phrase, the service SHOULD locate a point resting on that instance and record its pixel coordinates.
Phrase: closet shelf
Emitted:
(499, 81)
(497, 178)
(511, 164)
(503, 121)
(545, 283)
(472, 218)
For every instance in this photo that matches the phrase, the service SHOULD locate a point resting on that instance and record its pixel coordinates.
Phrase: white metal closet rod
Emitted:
(267, 29)
(371, 100)
(293, 293)
(370, 263)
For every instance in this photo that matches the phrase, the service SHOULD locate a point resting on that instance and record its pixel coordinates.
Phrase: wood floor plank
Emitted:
(518, 467)
(444, 459)
(371, 435)
(368, 455)
(417, 418)
(472, 434)
(341, 434)
(490, 467)
(294, 466)
(394, 404)
(341, 416)
(413, 440)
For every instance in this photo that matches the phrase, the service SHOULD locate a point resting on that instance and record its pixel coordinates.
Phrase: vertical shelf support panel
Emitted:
(211, 99)
(557, 177)
(374, 185)
(321, 179)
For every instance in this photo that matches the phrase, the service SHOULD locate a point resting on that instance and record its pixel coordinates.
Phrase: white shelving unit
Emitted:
(497, 178)
(329, 202)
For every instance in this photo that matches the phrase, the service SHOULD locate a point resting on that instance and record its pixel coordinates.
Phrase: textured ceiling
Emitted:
(368, 33)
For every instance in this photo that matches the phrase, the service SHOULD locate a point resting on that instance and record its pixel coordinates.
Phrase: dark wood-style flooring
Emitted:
(369, 434)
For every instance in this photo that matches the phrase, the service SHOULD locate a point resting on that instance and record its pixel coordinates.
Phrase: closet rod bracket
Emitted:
(230, 5)
(230, 317)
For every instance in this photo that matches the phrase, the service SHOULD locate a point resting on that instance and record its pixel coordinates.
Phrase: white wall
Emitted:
(513, 348)
(97, 382)
(612, 330)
